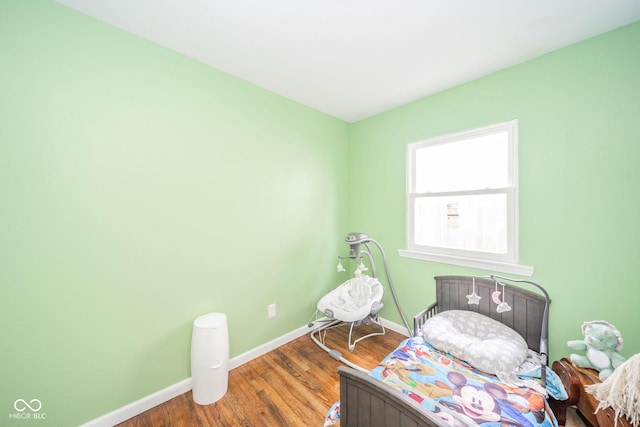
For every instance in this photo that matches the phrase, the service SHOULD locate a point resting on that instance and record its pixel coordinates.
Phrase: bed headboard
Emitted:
(529, 314)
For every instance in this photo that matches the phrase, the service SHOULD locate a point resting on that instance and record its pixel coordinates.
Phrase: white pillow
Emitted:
(483, 342)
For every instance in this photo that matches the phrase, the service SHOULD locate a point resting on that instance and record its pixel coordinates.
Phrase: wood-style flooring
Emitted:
(293, 385)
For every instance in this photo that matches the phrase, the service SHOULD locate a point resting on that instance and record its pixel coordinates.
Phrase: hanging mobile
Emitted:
(474, 298)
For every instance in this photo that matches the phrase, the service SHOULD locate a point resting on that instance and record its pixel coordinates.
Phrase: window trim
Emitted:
(502, 267)
(503, 263)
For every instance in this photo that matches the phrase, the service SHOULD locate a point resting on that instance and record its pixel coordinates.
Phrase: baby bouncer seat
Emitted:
(357, 300)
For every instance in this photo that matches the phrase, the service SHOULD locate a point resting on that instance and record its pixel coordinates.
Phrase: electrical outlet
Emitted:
(271, 311)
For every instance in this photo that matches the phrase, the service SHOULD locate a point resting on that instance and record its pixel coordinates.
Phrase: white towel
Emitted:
(621, 391)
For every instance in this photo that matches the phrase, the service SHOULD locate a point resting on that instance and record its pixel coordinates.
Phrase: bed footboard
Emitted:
(367, 402)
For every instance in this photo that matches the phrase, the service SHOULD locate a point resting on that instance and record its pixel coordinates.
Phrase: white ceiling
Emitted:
(356, 58)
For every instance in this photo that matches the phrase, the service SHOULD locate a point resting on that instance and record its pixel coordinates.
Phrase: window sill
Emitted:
(521, 270)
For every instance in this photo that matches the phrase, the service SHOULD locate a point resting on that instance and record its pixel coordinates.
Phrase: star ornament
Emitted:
(474, 298)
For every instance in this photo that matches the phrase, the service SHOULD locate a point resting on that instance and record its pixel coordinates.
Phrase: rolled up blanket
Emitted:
(621, 391)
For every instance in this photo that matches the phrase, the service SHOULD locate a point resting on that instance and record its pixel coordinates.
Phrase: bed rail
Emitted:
(420, 318)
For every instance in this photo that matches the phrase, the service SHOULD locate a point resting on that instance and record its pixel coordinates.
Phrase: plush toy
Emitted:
(602, 341)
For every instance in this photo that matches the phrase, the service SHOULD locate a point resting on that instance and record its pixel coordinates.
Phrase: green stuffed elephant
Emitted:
(601, 344)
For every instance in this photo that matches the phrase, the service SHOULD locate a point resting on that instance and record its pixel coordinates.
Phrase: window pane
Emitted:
(474, 163)
(472, 222)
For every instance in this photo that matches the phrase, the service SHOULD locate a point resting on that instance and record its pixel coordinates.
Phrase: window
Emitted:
(462, 199)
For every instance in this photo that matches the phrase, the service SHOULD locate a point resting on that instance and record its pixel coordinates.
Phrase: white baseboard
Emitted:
(395, 327)
(139, 406)
(267, 347)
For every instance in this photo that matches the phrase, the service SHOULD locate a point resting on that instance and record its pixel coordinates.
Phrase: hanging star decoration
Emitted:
(474, 298)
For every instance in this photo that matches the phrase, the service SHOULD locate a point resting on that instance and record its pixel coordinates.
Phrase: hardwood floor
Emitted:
(293, 385)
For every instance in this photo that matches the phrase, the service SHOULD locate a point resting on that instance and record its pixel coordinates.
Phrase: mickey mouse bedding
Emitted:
(458, 393)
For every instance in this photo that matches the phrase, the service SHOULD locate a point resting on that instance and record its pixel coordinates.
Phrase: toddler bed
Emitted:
(463, 366)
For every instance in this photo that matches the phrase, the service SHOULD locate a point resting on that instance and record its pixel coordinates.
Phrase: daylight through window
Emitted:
(462, 196)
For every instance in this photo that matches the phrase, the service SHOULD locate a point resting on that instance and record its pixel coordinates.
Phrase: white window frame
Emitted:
(507, 263)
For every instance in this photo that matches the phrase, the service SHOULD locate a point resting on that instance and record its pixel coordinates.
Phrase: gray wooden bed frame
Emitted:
(367, 402)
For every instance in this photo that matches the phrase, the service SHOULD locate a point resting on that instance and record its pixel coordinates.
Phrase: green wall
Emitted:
(140, 189)
(579, 155)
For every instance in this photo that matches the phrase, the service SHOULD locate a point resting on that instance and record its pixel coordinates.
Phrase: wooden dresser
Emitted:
(575, 379)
